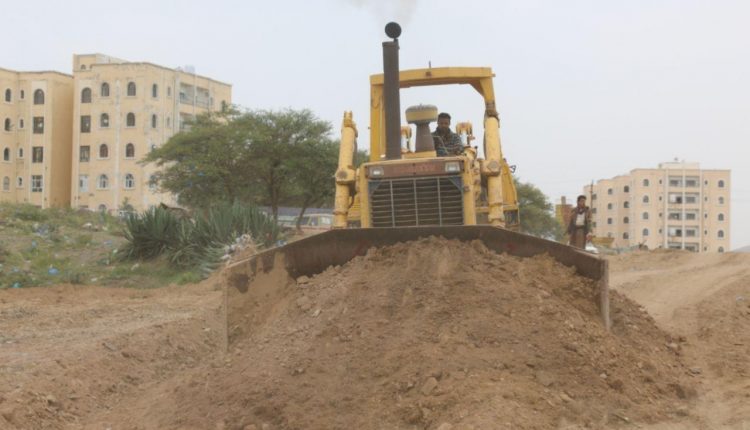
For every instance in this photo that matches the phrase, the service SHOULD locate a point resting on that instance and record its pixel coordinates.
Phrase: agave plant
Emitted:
(198, 243)
(151, 233)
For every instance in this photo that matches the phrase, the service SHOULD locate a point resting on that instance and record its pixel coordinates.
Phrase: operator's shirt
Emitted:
(447, 145)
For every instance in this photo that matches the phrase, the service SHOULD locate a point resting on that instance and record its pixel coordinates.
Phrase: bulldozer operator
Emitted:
(446, 141)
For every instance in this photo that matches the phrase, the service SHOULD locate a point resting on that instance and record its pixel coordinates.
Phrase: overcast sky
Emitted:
(586, 89)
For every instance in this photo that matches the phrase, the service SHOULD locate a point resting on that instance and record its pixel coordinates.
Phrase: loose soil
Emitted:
(434, 334)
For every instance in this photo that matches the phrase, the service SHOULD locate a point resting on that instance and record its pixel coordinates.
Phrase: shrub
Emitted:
(198, 243)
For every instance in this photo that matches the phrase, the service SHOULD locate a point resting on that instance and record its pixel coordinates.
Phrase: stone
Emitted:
(544, 378)
(429, 385)
(303, 280)
(696, 370)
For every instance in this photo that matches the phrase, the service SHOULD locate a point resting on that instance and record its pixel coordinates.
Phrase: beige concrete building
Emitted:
(677, 206)
(36, 137)
(123, 110)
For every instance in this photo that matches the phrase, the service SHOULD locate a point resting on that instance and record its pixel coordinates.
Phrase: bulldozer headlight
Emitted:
(376, 172)
(452, 167)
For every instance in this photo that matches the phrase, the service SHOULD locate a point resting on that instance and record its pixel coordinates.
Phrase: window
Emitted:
(691, 216)
(38, 124)
(22, 94)
(86, 95)
(691, 182)
(102, 208)
(646, 183)
(152, 182)
(169, 122)
(645, 232)
(645, 199)
(37, 154)
(129, 181)
(36, 183)
(625, 235)
(130, 120)
(85, 154)
(85, 123)
(721, 249)
(721, 217)
(721, 200)
(691, 232)
(20, 152)
(83, 67)
(645, 215)
(83, 183)
(169, 91)
(609, 220)
(154, 121)
(154, 91)
(675, 216)
(104, 120)
(675, 182)
(104, 91)
(721, 234)
(609, 206)
(6, 154)
(675, 198)
(103, 151)
(626, 205)
(691, 199)
(721, 184)
(131, 89)
(7, 124)
(593, 196)
(129, 150)
(626, 220)
(626, 189)
(7, 95)
(21, 124)
(609, 191)
(6, 184)
(38, 97)
(102, 183)
(19, 182)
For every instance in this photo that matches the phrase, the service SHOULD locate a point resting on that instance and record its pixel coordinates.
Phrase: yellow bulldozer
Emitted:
(405, 193)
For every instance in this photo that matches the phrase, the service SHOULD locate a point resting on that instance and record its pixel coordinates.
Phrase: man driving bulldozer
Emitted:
(446, 141)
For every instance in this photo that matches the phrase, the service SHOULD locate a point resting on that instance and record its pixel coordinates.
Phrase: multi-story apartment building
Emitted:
(36, 113)
(676, 206)
(122, 111)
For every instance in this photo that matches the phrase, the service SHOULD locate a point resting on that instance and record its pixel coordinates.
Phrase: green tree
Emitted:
(277, 140)
(207, 164)
(261, 157)
(537, 213)
(314, 169)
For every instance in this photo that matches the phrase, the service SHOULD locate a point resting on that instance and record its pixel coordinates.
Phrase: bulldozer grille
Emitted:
(416, 201)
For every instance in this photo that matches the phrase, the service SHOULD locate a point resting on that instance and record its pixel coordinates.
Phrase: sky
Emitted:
(586, 90)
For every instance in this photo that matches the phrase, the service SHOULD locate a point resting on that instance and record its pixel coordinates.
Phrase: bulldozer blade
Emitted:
(268, 273)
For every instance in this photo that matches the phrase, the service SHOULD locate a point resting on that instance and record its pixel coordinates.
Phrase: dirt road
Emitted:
(705, 298)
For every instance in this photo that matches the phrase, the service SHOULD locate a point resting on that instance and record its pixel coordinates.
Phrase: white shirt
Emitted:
(581, 219)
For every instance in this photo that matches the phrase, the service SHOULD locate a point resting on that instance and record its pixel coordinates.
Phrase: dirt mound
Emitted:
(432, 334)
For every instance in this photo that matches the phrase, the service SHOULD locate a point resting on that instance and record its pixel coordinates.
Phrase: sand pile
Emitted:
(434, 334)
